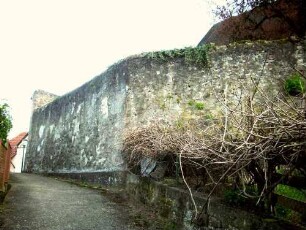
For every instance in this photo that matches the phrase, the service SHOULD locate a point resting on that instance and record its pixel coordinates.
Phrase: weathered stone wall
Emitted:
(175, 205)
(41, 98)
(82, 131)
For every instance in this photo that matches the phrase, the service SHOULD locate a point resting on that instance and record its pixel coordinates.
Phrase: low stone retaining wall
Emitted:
(176, 205)
(100, 178)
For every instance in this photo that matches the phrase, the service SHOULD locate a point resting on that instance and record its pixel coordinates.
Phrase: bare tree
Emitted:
(235, 7)
(257, 20)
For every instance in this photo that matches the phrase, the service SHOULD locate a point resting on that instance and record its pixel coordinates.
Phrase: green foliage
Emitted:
(294, 194)
(199, 105)
(282, 169)
(191, 102)
(192, 55)
(233, 197)
(288, 214)
(165, 207)
(291, 192)
(282, 211)
(209, 116)
(5, 122)
(162, 105)
(295, 85)
(171, 225)
(196, 104)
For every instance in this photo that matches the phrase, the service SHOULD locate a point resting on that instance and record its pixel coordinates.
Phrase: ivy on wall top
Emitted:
(192, 55)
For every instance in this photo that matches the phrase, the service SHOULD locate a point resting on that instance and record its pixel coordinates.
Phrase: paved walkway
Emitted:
(36, 202)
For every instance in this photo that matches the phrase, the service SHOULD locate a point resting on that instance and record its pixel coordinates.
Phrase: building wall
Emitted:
(16, 162)
(5, 155)
(82, 130)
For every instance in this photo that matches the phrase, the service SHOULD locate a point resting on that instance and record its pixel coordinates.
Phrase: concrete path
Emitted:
(37, 202)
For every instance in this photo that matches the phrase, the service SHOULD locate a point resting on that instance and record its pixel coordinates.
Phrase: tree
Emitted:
(5, 121)
(236, 7)
(257, 20)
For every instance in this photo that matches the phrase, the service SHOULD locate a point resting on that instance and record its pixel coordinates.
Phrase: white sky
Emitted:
(57, 45)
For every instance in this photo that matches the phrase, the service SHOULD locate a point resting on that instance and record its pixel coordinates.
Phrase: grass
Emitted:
(196, 104)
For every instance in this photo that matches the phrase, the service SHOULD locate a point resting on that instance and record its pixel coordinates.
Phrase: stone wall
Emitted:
(175, 205)
(82, 130)
(41, 98)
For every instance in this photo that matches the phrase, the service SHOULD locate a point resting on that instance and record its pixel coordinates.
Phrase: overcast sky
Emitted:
(57, 45)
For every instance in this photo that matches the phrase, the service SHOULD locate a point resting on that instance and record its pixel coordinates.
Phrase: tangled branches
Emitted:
(247, 142)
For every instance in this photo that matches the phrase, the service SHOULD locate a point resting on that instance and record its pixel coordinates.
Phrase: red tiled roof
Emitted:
(16, 141)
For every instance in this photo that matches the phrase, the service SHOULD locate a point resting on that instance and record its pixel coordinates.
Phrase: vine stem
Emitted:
(189, 189)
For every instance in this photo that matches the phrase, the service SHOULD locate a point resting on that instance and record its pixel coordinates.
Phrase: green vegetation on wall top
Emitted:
(192, 55)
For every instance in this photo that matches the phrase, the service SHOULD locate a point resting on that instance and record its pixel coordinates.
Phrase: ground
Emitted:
(37, 202)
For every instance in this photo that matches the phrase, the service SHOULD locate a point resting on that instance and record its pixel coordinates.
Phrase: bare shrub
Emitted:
(247, 142)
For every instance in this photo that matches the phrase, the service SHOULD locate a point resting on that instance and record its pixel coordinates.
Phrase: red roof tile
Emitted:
(16, 141)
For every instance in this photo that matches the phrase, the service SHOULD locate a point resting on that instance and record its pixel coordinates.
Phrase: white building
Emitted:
(18, 145)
